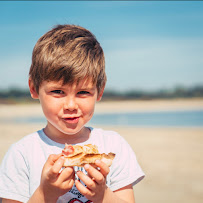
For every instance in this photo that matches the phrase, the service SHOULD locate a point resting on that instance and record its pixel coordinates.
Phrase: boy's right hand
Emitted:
(54, 184)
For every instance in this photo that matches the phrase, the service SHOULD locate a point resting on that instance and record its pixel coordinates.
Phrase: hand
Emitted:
(95, 181)
(54, 184)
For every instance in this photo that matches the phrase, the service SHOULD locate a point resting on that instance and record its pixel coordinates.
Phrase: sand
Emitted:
(170, 157)
(21, 110)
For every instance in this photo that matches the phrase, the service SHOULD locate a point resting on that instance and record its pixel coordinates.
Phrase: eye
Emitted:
(57, 91)
(83, 92)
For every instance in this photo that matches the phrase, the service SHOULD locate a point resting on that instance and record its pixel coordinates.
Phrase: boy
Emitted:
(67, 75)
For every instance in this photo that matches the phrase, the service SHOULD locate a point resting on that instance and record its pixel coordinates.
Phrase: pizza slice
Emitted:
(76, 155)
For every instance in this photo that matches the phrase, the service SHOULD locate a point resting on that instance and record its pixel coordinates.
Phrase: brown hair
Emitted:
(68, 53)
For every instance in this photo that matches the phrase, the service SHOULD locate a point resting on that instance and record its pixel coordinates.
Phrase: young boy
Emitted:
(67, 75)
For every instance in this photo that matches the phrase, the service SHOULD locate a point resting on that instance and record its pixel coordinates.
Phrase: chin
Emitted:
(71, 131)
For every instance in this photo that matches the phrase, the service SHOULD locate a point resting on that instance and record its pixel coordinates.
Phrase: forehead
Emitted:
(85, 83)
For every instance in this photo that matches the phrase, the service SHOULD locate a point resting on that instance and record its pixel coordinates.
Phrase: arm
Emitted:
(96, 189)
(126, 193)
(53, 184)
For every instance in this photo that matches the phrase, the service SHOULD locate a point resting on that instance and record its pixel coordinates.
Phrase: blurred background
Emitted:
(154, 92)
(159, 43)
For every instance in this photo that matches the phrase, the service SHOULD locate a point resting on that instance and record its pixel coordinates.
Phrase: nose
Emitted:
(70, 104)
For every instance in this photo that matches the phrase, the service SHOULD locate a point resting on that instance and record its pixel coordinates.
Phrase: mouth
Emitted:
(71, 120)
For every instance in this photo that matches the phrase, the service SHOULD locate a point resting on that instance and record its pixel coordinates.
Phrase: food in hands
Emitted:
(76, 155)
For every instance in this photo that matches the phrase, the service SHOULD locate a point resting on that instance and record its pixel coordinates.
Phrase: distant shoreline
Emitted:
(149, 105)
(34, 109)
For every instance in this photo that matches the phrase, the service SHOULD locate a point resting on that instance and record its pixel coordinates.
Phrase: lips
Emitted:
(71, 119)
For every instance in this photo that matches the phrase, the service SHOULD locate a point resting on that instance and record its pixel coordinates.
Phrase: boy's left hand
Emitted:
(95, 181)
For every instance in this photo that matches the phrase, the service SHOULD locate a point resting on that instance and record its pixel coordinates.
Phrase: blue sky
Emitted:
(148, 45)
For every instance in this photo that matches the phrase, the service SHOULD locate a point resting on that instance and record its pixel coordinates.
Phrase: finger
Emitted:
(84, 190)
(67, 178)
(50, 162)
(95, 174)
(68, 184)
(54, 170)
(67, 174)
(89, 182)
(104, 169)
(53, 158)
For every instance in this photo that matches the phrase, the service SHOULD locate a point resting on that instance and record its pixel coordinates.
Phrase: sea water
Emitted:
(162, 118)
(190, 118)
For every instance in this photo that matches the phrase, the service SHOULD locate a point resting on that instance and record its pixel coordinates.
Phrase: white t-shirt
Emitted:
(22, 165)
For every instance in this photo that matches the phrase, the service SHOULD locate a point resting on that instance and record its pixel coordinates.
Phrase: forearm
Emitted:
(122, 195)
(110, 196)
(38, 196)
(53, 184)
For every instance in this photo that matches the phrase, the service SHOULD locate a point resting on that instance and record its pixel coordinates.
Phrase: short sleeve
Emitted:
(125, 170)
(14, 176)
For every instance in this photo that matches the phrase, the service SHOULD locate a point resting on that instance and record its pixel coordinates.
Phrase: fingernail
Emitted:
(87, 166)
(77, 181)
(97, 161)
(62, 158)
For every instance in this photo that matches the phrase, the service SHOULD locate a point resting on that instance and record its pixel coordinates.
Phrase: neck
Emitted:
(62, 138)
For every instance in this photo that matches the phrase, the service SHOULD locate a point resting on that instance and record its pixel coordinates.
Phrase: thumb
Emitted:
(58, 164)
(53, 158)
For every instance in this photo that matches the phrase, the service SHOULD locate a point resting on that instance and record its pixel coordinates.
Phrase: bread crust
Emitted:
(87, 154)
(81, 159)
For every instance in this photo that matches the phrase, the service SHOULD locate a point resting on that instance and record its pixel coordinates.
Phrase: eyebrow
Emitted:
(87, 88)
(55, 86)
(82, 86)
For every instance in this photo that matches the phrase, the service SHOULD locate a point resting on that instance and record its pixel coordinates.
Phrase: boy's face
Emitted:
(67, 107)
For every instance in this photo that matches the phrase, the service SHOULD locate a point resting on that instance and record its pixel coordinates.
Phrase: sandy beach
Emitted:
(170, 157)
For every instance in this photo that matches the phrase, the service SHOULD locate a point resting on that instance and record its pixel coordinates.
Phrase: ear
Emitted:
(99, 97)
(33, 91)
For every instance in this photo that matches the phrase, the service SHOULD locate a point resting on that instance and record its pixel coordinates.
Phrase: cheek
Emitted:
(45, 109)
(88, 107)
(49, 107)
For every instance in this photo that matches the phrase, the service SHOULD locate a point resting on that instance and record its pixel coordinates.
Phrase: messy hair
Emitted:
(68, 53)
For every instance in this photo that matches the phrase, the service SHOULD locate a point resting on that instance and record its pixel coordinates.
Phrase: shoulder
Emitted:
(125, 169)
(22, 148)
(27, 141)
(108, 140)
(16, 168)
(106, 134)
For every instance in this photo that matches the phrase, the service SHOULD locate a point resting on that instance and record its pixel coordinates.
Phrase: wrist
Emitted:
(40, 196)
(47, 197)
(105, 196)
(110, 196)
